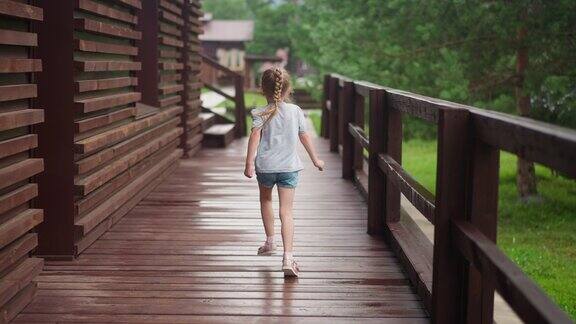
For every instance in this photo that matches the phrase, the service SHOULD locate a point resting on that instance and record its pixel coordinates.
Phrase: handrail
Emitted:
(468, 266)
(238, 97)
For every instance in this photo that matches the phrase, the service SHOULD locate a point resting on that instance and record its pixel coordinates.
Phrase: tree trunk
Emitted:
(526, 175)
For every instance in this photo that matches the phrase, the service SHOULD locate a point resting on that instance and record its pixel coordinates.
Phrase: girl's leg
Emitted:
(267, 210)
(286, 203)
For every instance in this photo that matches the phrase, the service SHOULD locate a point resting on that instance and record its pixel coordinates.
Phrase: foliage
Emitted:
(227, 9)
(463, 51)
(538, 236)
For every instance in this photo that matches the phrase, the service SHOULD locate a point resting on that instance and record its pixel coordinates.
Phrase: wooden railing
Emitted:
(458, 278)
(211, 67)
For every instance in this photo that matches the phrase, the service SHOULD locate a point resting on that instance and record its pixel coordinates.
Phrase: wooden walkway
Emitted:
(186, 254)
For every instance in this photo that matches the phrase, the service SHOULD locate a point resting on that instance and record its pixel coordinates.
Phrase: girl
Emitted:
(276, 129)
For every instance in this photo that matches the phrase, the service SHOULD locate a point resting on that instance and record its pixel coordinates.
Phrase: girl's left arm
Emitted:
(253, 142)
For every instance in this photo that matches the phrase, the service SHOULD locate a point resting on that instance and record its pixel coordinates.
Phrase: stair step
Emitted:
(218, 135)
(208, 120)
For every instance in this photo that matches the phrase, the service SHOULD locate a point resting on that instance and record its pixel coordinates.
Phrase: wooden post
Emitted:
(482, 199)
(325, 126)
(56, 135)
(185, 73)
(393, 142)
(333, 94)
(148, 55)
(449, 271)
(240, 108)
(346, 107)
(359, 121)
(376, 178)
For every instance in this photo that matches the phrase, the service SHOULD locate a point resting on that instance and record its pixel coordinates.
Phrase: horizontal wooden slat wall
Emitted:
(192, 141)
(18, 114)
(121, 149)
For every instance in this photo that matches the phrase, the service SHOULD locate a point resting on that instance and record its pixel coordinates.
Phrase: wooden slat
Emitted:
(171, 7)
(20, 10)
(100, 47)
(165, 102)
(97, 159)
(104, 84)
(170, 66)
(540, 142)
(20, 91)
(170, 77)
(106, 11)
(20, 171)
(18, 225)
(18, 144)
(17, 249)
(103, 120)
(102, 66)
(170, 54)
(103, 28)
(415, 105)
(132, 3)
(16, 304)
(99, 103)
(93, 200)
(528, 301)
(359, 135)
(90, 183)
(115, 135)
(18, 197)
(169, 41)
(91, 220)
(12, 37)
(171, 30)
(173, 88)
(14, 65)
(151, 182)
(171, 18)
(19, 278)
(417, 194)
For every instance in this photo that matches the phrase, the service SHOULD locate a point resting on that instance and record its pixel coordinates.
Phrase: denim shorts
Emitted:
(282, 179)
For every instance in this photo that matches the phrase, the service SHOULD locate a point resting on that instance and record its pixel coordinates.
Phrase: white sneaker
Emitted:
(267, 249)
(290, 268)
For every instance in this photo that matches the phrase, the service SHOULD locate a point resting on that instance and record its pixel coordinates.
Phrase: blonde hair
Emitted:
(276, 86)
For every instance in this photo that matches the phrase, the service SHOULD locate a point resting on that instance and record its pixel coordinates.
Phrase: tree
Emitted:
(227, 9)
(506, 55)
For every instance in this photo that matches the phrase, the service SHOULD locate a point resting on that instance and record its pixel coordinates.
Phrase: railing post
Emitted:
(376, 178)
(346, 107)
(325, 126)
(333, 93)
(482, 200)
(449, 269)
(240, 107)
(359, 121)
(393, 148)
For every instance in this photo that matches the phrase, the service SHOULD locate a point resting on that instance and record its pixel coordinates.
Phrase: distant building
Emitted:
(225, 42)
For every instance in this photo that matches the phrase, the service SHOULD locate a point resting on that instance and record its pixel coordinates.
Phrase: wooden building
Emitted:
(98, 102)
(224, 41)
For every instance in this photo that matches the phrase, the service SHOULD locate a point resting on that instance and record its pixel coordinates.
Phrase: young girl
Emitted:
(276, 130)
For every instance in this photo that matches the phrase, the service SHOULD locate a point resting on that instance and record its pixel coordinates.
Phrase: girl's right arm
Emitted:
(253, 142)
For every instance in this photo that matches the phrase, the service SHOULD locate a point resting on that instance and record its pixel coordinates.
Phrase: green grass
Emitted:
(539, 236)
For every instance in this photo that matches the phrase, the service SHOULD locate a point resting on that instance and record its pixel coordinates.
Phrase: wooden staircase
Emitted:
(219, 130)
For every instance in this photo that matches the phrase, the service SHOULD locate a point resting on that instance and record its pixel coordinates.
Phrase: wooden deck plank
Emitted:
(187, 253)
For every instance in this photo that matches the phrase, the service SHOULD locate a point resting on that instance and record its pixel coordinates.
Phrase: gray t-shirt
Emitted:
(279, 140)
